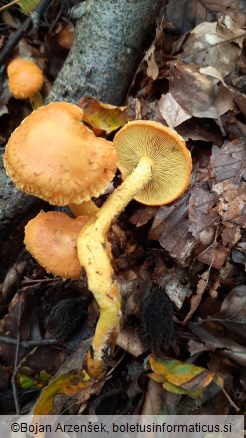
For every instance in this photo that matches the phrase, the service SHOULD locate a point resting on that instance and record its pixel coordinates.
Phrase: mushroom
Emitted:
(156, 168)
(87, 208)
(25, 80)
(158, 151)
(51, 238)
(54, 156)
(66, 36)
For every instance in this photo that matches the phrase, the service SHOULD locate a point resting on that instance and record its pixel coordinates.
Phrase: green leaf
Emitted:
(66, 384)
(180, 377)
(28, 6)
(44, 377)
(179, 390)
(27, 382)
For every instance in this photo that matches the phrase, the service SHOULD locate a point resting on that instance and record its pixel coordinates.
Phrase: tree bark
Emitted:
(110, 36)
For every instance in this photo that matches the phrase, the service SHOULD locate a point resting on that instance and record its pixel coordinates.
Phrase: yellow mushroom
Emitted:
(151, 145)
(156, 168)
(87, 208)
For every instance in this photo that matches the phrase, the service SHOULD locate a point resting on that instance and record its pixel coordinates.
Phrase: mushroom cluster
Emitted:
(54, 156)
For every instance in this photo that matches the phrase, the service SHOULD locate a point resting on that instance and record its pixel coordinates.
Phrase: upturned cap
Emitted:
(166, 148)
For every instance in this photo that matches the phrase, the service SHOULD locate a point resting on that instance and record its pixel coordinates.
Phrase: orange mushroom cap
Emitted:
(25, 78)
(66, 36)
(54, 156)
(172, 163)
(51, 238)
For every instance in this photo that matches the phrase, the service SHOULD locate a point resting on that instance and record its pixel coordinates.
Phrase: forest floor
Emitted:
(181, 266)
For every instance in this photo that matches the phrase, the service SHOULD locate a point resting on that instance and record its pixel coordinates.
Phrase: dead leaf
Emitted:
(228, 162)
(201, 129)
(208, 45)
(211, 71)
(171, 228)
(215, 256)
(240, 100)
(232, 203)
(177, 292)
(211, 341)
(152, 56)
(239, 253)
(199, 95)
(142, 215)
(207, 10)
(233, 312)
(171, 111)
(230, 234)
(104, 117)
(129, 341)
(152, 69)
(153, 401)
(201, 213)
(196, 299)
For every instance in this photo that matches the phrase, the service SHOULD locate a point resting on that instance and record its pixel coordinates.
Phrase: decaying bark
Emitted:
(109, 39)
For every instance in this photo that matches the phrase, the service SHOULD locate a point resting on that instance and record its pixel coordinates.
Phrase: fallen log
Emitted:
(110, 36)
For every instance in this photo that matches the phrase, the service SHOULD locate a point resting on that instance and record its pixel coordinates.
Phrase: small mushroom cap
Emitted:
(25, 78)
(172, 160)
(51, 238)
(54, 156)
(66, 36)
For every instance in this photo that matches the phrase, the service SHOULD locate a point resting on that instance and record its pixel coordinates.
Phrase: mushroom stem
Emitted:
(94, 256)
(36, 101)
(86, 208)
